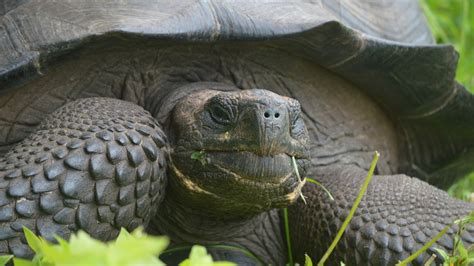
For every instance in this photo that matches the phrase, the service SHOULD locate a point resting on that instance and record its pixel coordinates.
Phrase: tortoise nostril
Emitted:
(271, 114)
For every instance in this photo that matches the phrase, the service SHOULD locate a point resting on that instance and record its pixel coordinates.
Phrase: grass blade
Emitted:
(430, 260)
(424, 248)
(5, 258)
(461, 222)
(307, 260)
(310, 180)
(287, 236)
(352, 211)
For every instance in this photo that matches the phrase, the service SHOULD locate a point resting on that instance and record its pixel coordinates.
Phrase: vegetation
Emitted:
(460, 256)
(199, 256)
(136, 248)
(452, 21)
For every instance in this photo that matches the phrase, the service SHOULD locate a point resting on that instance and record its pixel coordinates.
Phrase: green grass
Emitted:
(452, 21)
(460, 256)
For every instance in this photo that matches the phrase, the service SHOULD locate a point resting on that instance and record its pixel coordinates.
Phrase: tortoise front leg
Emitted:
(396, 217)
(95, 164)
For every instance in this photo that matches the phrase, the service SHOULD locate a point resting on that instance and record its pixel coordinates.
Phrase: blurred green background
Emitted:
(452, 21)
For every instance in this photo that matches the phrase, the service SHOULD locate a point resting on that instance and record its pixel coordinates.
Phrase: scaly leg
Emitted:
(95, 164)
(396, 217)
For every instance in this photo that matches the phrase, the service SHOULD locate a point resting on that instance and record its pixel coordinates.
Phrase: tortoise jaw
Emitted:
(223, 192)
(274, 169)
(240, 178)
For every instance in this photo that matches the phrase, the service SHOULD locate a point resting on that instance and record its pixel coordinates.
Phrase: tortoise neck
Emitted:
(261, 234)
(184, 224)
(186, 192)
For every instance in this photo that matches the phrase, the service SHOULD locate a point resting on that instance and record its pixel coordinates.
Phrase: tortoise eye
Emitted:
(221, 109)
(220, 114)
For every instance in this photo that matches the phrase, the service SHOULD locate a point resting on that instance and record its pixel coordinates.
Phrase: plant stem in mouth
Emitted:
(293, 160)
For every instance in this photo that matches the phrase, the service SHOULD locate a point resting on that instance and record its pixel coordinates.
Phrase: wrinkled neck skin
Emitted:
(261, 234)
(187, 224)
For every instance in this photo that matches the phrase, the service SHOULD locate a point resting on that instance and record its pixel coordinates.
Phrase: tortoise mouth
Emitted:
(247, 165)
(241, 178)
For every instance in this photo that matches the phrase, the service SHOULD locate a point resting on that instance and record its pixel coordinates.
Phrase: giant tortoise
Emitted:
(184, 116)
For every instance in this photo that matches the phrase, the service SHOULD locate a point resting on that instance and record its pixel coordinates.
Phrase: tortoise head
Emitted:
(232, 151)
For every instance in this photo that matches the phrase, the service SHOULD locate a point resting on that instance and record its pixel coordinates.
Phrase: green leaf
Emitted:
(307, 260)
(223, 263)
(82, 250)
(124, 235)
(34, 242)
(22, 262)
(129, 249)
(5, 258)
(200, 156)
(461, 250)
(199, 257)
(62, 243)
(137, 247)
(442, 253)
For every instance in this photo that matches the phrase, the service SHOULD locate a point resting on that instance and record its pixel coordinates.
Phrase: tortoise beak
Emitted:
(265, 130)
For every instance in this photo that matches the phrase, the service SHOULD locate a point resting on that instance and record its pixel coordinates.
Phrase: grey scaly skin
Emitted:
(396, 217)
(99, 164)
(95, 164)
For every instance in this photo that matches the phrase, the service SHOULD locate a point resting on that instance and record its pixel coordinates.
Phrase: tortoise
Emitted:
(184, 117)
